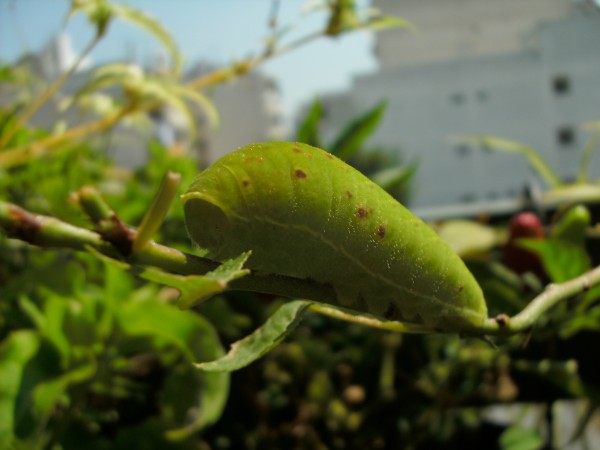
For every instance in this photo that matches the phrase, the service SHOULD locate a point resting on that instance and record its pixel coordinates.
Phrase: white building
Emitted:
(525, 70)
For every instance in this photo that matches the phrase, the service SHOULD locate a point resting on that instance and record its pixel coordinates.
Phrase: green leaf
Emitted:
(15, 353)
(394, 177)
(519, 438)
(50, 322)
(197, 288)
(262, 340)
(350, 140)
(110, 74)
(308, 131)
(194, 288)
(48, 394)
(572, 193)
(572, 225)
(537, 163)
(468, 238)
(197, 340)
(380, 22)
(561, 260)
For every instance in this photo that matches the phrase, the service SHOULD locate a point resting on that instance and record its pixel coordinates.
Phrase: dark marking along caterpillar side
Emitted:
(304, 213)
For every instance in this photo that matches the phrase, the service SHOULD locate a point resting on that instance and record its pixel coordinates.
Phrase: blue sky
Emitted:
(218, 31)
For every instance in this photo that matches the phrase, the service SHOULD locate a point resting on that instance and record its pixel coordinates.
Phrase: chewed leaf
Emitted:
(261, 341)
(194, 288)
(197, 288)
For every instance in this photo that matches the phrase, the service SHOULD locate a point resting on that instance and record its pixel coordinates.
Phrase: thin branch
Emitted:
(157, 212)
(553, 294)
(16, 156)
(20, 155)
(242, 67)
(49, 232)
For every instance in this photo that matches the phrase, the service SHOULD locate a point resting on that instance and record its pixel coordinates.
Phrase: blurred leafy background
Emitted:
(94, 357)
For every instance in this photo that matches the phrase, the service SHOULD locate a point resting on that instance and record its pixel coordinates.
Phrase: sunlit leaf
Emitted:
(535, 160)
(261, 341)
(519, 438)
(153, 26)
(468, 238)
(380, 22)
(572, 193)
(111, 74)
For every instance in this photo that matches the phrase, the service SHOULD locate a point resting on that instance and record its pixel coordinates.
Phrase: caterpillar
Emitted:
(304, 213)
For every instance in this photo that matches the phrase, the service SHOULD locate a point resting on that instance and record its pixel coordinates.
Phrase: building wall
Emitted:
(539, 95)
(448, 29)
(250, 111)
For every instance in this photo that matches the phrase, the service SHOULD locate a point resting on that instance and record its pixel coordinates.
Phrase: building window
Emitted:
(565, 136)
(561, 84)
(467, 198)
(462, 150)
(457, 98)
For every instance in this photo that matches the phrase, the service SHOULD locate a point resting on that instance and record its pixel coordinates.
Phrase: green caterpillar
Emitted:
(306, 214)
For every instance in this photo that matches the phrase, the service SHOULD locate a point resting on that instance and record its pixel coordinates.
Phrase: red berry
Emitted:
(525, 225)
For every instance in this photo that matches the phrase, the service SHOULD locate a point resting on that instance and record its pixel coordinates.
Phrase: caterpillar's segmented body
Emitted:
(304, 213)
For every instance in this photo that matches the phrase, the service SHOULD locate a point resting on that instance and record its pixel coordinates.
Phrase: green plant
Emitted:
(95, 353)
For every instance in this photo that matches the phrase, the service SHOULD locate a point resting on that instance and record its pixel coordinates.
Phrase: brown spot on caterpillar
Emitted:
(362, 212)
(381, 231)
(329, 155)
(348, 194)
(460, 288)
(246, 183)
(391, 313)
(261, 159)
(310, 155)
(296, 150)
(300, 173)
